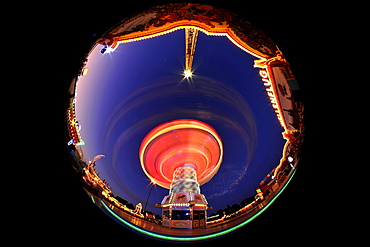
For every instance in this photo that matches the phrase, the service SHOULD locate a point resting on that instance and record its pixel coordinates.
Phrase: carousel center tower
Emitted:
(181, 155)
(185, 180)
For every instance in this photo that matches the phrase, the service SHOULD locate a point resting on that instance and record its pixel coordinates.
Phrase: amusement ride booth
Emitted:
(180, 156)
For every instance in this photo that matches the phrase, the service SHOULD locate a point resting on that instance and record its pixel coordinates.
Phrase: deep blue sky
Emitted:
(140, 85)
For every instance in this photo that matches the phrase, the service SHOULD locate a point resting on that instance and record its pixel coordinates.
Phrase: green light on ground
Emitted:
(197, 238)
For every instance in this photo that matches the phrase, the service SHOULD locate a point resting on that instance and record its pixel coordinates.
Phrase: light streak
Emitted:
(191, 36)
(204, 172)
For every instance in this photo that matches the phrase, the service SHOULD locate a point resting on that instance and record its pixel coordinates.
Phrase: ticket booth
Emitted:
(184, 210)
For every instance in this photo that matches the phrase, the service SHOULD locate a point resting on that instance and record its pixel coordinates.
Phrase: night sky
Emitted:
(140, 85)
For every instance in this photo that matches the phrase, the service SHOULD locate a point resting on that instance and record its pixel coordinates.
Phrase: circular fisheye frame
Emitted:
(178, 113)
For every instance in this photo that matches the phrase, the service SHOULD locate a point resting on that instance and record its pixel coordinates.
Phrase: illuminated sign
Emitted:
(272, 94)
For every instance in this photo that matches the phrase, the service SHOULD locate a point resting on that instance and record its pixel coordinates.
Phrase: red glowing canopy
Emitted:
(179, 142)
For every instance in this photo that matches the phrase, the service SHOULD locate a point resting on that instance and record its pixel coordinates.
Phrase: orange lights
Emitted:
(191, 41)
(74, 127)
(170, 21)
(166, 29)
(84, 71)
(188, 204)
(259, 194)
(180, 142)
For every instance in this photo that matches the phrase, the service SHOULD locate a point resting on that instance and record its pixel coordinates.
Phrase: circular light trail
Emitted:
(180, 142)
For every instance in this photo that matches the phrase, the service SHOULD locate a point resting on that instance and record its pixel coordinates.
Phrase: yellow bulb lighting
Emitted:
(188, 73)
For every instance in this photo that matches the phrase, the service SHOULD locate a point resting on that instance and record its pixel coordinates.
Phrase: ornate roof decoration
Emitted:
(161, 20)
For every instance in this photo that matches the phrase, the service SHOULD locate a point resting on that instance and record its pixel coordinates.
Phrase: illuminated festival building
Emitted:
(181, 155)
